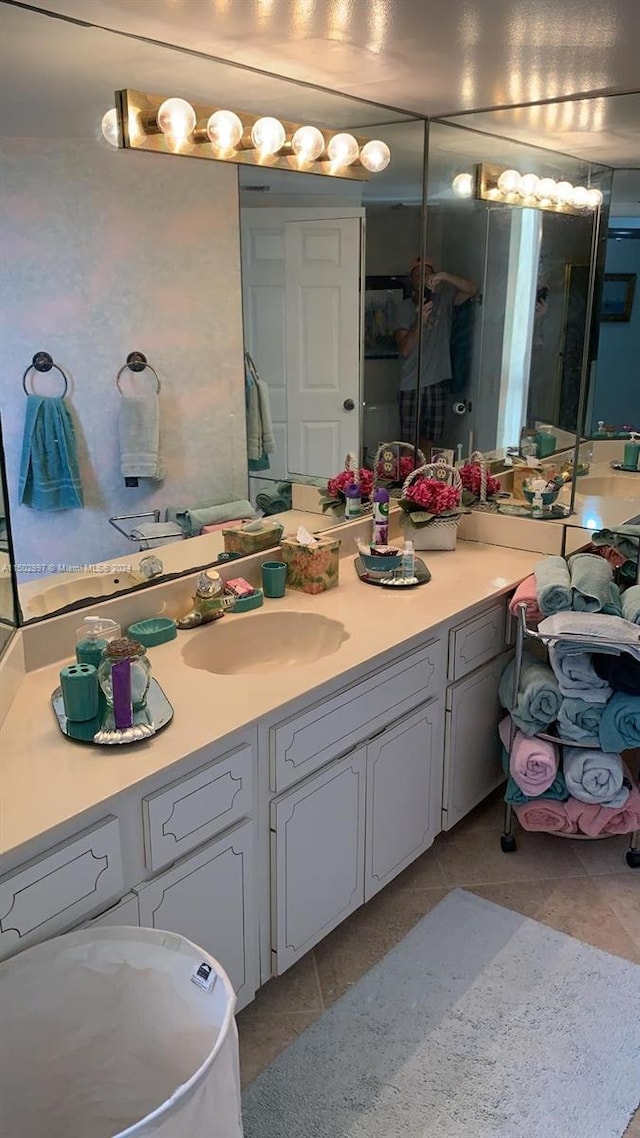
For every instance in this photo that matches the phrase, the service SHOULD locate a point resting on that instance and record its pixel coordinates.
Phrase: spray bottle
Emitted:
(380, 516)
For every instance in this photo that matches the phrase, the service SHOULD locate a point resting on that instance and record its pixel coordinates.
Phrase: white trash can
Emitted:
(117, 1033)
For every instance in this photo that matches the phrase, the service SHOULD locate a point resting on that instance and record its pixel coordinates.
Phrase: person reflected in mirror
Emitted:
(442, 292)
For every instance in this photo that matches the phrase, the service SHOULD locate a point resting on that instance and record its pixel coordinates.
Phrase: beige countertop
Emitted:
(45, 779)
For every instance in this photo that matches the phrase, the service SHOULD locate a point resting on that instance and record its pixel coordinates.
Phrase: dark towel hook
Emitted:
(43, 362)
(137, 361)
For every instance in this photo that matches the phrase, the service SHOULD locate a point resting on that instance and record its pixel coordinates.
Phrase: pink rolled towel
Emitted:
(595, 820)
(533, 763)
(527, 593)
(546, 816)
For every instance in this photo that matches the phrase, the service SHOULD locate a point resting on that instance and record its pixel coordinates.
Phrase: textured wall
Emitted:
(104, 252)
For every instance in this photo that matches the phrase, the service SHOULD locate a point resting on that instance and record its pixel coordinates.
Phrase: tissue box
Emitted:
(311, 568)
(252, 541)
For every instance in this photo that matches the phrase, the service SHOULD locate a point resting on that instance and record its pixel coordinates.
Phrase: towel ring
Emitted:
(43, 362)
(136, 362)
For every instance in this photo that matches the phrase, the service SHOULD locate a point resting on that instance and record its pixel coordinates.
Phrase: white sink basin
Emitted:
(610, 485)
(263, 643)
(54, 597)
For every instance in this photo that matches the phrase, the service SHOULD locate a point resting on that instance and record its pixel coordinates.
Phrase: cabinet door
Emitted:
(317, 845)
(472, 766)
(124, 913)
(208, 898)
(404, 794)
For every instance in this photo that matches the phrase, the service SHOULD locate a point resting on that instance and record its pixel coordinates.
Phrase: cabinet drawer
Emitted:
(189, 812)
(477, 641)
(124, 913)
(300, 745)
(60, 888)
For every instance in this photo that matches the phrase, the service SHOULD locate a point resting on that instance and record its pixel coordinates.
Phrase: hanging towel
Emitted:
(580, 721)
(553, 585)
(260, 438)
(620, 726)
(527, 594)
(538, 699)
(139, 432)
(631, 604)
(49, 472)
(533, 763)
(594, 776)
(591, 578)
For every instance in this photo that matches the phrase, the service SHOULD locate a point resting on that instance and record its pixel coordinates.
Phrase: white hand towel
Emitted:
(139, 431)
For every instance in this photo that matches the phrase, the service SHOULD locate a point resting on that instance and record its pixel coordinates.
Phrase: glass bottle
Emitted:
(124, 649)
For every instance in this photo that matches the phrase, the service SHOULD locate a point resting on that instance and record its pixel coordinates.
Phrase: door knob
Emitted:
(348, 404)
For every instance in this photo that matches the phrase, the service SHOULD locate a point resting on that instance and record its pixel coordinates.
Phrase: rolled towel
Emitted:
(553, 585)
(591, 579)
(614, 606)
(547, 817)
(579, 721)
(631, 604)
(533, 763)
(527, 594)
(594, 776)
(593, 629)
(595, 820)
(575, 672)
(538, 698)
(198, 517)
(620, 726)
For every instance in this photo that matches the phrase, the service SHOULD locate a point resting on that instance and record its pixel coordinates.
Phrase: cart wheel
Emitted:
(508, 844)
(633, 859)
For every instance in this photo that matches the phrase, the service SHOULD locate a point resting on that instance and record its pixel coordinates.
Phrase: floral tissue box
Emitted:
(311, 568)
(252, 541)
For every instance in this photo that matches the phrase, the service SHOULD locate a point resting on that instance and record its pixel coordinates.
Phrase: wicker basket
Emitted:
(419, 457)
(441, 533)
(483, 503)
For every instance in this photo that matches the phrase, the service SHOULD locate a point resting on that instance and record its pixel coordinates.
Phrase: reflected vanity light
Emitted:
(142, 121)
(495, 183)
(463, 185)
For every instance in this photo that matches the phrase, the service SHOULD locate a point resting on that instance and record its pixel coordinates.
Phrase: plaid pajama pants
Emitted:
(433, 403)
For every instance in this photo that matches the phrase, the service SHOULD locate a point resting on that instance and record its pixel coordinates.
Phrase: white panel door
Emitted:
(322, 317)
(472, 766)
(317, 844)
(404, 794)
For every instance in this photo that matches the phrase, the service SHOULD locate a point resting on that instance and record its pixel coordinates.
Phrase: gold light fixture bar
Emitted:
(528, 191)
(137, 113)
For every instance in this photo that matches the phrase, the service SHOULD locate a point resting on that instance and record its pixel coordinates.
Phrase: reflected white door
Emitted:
(323, 334)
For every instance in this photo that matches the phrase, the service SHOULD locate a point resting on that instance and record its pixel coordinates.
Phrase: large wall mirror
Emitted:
(109, 251)
(8, 599)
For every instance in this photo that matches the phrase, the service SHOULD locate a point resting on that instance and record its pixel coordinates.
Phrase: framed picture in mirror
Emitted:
(617, 296)
(382, 295)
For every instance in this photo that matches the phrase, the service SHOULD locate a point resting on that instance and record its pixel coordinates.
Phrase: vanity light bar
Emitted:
(502, 184)
(175, 126)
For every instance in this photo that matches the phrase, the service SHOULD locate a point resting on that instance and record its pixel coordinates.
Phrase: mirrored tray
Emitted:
(158, 713)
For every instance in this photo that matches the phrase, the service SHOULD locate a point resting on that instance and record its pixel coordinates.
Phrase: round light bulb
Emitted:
(564, 193)
(343, 149)
(509, 182)
(224, 130)
(375, 156)
(547, 190)
(111, 127)
(462, 185)
(580, 197)
(307, 143)
(268, 135)
(595, 197)
(177, 118)
(528, 185)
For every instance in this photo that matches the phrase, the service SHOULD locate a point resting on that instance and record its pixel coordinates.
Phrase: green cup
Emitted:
(274, 578)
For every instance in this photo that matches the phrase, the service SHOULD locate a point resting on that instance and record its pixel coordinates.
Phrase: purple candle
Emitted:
(121, 683)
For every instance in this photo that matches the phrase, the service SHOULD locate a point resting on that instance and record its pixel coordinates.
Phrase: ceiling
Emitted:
(427, 57)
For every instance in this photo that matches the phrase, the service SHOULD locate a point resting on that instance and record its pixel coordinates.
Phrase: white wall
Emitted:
(105, 252)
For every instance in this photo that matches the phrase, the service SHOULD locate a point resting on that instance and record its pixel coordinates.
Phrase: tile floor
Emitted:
(581, 888)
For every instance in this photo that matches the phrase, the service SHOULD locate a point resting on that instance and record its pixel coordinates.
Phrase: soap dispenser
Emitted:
(92, 638)
(631, 452)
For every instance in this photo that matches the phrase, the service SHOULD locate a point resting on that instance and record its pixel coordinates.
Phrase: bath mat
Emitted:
(481, 1023)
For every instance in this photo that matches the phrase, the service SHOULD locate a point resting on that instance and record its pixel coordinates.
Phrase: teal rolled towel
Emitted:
(620, 726)
(553, 584)
(580, 721)
(215, 514)
(631, 604)
(591, 580)
(538, 699)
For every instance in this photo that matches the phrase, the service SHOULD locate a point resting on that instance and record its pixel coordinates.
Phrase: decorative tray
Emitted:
(157, 714)
(423, 576)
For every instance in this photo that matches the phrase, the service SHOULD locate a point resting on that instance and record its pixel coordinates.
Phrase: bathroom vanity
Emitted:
(286, 792)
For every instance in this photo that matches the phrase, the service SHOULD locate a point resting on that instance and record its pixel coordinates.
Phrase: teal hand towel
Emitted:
(620, 726)
(579, 721)
(631, 604)
(591, 579)
(553, 584)
(49, 472)
(538, 699)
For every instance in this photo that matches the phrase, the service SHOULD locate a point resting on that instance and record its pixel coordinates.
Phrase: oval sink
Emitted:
(83, 587)
(609, 485)
(262, 643)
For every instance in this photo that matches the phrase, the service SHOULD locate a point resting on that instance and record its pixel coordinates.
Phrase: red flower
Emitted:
(336, 486)
(433, 496)
(471, 476)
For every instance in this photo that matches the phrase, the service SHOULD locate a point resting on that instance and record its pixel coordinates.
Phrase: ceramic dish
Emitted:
(422, 576)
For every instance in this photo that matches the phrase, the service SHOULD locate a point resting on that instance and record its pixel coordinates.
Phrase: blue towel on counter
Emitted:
(620, 726)
(595, 776)
(591, 578)
(557, 791)
(553, 585)
(538, 699)
(49, 471)
(580, 721)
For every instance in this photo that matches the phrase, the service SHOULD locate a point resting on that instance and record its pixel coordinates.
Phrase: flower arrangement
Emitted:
(334, 496)
(471, 475)
(429, 498)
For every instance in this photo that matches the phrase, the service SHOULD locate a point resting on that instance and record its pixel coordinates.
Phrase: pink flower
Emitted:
(471, 476)
(336, 486)
(433, 496)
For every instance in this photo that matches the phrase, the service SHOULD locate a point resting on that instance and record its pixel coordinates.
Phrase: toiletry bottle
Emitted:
(352, 501)
(408, 567)
(92, 638)
(380, 516)
(537, 510)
